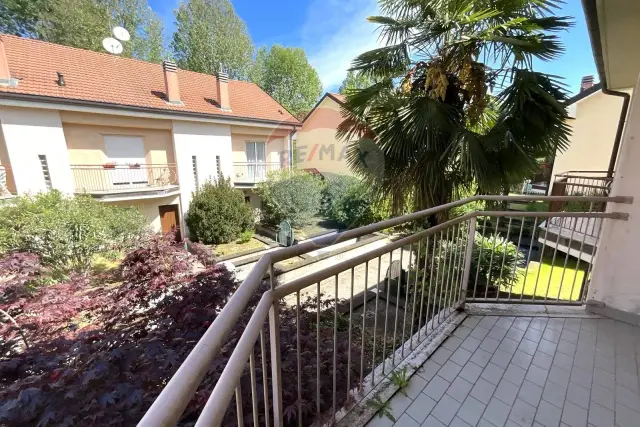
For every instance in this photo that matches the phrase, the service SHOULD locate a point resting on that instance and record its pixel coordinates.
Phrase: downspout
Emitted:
(626, 98)
(291, 148)
(593, 26)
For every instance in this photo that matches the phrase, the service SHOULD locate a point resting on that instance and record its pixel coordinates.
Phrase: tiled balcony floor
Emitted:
(497, 371)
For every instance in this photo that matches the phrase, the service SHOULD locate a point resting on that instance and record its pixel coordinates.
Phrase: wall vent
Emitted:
(45, 171)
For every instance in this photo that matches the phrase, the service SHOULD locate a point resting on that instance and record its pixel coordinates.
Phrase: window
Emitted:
(247, 199)
(256, 159)
(194, 164)
(127, 154)
(45, 171)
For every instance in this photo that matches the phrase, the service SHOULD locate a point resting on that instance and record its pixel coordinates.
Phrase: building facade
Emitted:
(317, 146)
(131, 133)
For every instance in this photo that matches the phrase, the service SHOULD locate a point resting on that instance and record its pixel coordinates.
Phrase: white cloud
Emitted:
(335, 32)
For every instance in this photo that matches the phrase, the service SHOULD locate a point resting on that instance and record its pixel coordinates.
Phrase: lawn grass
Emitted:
(317, 224)
(237, 247)
(540, 273)
(106, 263)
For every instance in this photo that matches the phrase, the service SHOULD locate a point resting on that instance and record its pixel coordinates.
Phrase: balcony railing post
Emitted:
(276, 363)
(468, 254)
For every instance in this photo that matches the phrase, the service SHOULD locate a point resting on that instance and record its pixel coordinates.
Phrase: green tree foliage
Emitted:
(145, 27)
(210, 35)
(429, 126)
(218, 213)
(350, 202)
(19, 17)
(355, 80)
(76, 23)
(286, 75)
(66, 232)
(85, 23)
(292, 195)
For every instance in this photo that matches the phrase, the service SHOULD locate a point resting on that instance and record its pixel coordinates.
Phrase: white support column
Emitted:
(615, 284)
(205, 141)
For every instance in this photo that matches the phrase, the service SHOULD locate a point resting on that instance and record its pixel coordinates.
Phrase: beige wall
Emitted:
(316, 144)
(276, 147)
(277, 142)
(616, 272)
(85, 143)
(592, 134)
(149, 208)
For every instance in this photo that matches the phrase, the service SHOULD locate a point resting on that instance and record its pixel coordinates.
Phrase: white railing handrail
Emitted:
(174, 398)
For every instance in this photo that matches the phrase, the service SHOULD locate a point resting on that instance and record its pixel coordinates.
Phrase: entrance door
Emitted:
(256, 159)
(170, 220)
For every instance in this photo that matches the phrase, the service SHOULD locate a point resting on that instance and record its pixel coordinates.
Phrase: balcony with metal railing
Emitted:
(341, 362)
(565, 233)
(7, 183)
(115, 181)
(248, 174)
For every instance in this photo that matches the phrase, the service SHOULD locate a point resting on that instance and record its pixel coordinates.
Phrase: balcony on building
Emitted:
(112, 182)
(7, 183)
(578, 236)
(248, 174)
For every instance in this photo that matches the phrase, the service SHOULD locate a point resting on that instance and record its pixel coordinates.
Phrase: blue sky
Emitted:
(332, 32)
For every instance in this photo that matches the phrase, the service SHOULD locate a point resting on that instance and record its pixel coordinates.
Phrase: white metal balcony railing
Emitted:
(446, 266)
(582, 183)
(254, 172)
(578, 183)
(113, 178)
(7, 185)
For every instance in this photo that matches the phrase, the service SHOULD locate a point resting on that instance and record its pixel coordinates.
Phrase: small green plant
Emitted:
(245, 236)
(383, 408)
(401, 379)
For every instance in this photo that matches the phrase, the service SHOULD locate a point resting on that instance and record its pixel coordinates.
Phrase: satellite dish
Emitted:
(121, 34)
(112, 45)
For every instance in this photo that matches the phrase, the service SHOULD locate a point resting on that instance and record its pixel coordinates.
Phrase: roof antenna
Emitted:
(113, 45)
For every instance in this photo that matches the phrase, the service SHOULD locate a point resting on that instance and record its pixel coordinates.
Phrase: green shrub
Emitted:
(495, 274)
(336, 189)
(245, 236)
(66, 232)
(292, 195)
(349, 201)
(218, 213)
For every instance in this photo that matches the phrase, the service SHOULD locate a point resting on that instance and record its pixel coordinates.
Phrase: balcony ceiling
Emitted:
(614, 27)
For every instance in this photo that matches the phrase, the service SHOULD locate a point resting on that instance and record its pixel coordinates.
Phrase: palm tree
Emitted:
(456, 100)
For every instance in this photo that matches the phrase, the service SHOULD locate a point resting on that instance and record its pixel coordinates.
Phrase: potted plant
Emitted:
(110, 165)
(134, 165)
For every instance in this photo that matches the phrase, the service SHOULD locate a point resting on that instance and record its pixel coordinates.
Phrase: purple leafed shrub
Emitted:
(109, 353)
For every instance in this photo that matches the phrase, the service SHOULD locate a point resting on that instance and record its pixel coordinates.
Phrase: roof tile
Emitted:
(104, 78)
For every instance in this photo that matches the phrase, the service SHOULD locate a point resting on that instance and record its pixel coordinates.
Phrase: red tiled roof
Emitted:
(104, 78)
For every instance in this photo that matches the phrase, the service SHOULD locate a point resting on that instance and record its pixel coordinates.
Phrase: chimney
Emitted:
(172, 88)
(587, 82)
(5, 75)
(223, 91)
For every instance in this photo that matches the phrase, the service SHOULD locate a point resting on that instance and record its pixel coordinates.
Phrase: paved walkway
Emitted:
(327, 286)
(499, 371)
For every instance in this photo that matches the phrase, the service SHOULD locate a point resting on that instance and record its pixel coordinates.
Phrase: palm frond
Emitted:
(393, 31)
(383, 62)
(429, 125)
